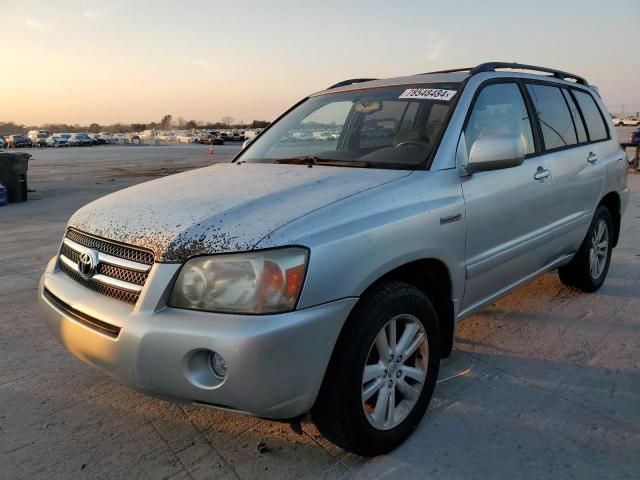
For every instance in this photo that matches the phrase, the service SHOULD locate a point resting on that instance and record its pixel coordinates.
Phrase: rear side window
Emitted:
(575, 114)
(593, 118)
(553, 115)
(499, 110)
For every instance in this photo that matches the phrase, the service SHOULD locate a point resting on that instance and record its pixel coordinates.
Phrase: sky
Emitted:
(83, 61)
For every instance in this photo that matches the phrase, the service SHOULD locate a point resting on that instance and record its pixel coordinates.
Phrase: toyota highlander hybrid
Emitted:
(326, 273)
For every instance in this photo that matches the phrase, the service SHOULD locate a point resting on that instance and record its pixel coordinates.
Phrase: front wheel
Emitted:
(589, 267)
(382, 373)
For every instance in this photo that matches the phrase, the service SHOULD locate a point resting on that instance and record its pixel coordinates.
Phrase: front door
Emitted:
(508, 211)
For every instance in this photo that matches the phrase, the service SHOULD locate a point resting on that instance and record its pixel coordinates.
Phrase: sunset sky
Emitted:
(99, 61)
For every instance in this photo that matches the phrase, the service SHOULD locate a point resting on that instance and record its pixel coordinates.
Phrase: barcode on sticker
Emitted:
(428, 94)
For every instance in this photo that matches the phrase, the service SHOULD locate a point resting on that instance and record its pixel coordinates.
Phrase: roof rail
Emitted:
(493, 66)
(452, 70)
(350, 81)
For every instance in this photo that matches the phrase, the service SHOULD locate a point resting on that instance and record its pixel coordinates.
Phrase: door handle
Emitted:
(592, 158)
(541, 173)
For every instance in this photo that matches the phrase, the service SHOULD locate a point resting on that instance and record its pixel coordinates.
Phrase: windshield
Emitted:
(391, 127)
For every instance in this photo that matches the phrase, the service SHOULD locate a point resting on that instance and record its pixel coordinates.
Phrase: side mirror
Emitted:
(493, 152)
(246, 143)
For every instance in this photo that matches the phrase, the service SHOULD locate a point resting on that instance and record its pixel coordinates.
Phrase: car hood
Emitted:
(222, 208)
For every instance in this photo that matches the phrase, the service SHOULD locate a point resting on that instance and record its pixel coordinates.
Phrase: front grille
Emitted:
(137, 278)
(112, 248)
(121, 270)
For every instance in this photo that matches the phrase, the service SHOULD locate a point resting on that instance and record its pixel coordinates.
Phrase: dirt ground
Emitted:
(553, 389)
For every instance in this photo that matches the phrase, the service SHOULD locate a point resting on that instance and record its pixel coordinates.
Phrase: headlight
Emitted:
(255, 282)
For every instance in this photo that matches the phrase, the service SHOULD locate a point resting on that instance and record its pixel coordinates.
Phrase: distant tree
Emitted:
(228, 120)
(166, 122)
(191, 124)
(180, 123)
(259, 124)
(11, 128)
(138, 127)
(94, 128)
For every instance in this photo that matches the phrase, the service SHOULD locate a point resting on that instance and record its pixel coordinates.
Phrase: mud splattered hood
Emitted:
(221, 208)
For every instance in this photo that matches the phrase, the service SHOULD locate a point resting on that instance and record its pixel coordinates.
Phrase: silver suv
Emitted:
(325, 268)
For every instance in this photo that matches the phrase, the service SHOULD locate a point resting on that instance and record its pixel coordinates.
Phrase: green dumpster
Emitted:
(13, 175)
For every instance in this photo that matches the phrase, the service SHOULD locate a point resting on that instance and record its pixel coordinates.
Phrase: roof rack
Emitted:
(493, 66)
(350, 81)
(451, 70)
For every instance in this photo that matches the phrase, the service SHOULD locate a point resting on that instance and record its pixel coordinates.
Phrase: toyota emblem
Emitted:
(87, 263)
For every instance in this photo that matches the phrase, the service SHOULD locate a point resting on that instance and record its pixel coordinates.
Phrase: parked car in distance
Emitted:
(209, 139)
(631, 121)
(97, 139)
(79, 140)
(135, 140)
(166, 136)
(119, 139)
(3, 142)
(216, 140)
(38, 137)
(17, 141)
(58, 140)
(106, 136)
(186, 138)
(616, 121)
(328, 277)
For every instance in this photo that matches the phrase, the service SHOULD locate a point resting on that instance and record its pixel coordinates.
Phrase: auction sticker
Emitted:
(428, 94)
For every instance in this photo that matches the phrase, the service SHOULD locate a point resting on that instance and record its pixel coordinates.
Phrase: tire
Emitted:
(580, 272)
(339, 412)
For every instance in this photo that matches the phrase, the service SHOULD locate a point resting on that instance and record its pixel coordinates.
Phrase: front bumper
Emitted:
(275, 363)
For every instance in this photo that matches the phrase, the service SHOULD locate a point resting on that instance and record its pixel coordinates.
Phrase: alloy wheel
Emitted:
(395, 372)
(599, 250)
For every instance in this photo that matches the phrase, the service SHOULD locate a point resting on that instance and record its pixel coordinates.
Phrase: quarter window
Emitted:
(500, 110)
(593, 118)
(554, 116)
(577, 120)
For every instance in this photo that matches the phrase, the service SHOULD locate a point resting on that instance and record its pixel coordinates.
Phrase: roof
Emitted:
(456, 75)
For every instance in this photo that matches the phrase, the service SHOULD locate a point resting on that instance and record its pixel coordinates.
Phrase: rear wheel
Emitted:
(382, 373)
(589, 267)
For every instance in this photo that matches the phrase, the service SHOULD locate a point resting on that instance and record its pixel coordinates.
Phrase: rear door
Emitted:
(577, 173)
(508, 210)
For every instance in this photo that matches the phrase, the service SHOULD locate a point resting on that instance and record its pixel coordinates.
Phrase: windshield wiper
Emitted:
(302, 160)
(311, 160)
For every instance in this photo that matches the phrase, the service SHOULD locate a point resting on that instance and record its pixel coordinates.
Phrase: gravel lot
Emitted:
(553, 390)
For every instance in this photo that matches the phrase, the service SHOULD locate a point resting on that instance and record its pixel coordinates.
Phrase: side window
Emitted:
(500, 109)
(554, 116)
(592, 117)
(575, 114)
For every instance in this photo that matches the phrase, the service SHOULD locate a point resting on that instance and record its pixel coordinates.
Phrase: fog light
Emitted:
(218, 365)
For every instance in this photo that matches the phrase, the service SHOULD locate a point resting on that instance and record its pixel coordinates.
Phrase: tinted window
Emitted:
(554, 116)
(577, 119)
(500, 110)
(591, 112)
